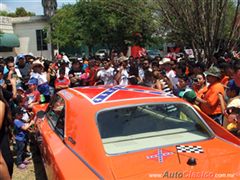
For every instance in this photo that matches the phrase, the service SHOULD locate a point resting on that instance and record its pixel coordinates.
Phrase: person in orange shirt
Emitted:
(199, 84)
(210, 102)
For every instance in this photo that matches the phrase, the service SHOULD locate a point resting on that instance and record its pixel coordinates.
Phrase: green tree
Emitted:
(64, 27)
(19, 12)
(204, 25)
(3, 13)
(106, 22)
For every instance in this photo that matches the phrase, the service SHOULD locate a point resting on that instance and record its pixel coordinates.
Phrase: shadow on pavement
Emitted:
(40, 173)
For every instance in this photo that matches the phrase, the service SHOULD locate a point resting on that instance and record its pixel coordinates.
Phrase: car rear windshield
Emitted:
(139, 127)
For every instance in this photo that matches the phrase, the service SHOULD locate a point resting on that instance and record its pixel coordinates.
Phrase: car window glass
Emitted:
(60, 123)
(56, 114)
(147, 126)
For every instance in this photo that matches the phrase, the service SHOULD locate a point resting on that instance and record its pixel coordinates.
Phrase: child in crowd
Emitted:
(20, 129)
(20, 91)
(183, 85)
(20, 103)
(41, 76)
(32, 94)
(61, 82)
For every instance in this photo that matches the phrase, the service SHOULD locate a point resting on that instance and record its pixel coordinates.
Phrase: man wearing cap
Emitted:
(22, 67)
(210, 102)
(167, 64)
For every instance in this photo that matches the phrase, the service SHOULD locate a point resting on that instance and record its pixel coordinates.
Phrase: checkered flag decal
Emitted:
(189, 149)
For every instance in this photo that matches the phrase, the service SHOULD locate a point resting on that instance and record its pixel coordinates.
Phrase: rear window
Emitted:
(134, 128)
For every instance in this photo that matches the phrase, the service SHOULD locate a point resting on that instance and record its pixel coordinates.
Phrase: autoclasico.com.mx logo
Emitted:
(193, 174)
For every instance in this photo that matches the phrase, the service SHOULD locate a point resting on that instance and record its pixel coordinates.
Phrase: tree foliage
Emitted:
(204, 25)
(108, 22)
(19, 12)
(64, 27)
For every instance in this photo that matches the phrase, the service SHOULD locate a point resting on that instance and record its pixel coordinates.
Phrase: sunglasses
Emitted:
(233, 110)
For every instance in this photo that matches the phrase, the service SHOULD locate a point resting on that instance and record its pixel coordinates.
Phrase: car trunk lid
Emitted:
(207, 159)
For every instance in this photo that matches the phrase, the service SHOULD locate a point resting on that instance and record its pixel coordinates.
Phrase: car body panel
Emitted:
(80, 153)
(56, 155)
(209, 161)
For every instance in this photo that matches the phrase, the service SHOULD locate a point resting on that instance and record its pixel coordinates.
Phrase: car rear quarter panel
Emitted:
(82, 129)
(59, 160)
(219, 130)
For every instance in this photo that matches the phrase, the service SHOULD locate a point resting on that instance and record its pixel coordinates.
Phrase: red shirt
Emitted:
(62, 82)
(92, 73)
(32, 97)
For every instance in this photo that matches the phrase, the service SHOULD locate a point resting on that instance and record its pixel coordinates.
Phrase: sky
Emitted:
(30, 5)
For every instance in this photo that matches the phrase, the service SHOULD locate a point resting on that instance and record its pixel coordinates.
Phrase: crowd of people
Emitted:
(26, 80)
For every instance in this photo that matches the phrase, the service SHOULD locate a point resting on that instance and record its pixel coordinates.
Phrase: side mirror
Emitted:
(40, 114)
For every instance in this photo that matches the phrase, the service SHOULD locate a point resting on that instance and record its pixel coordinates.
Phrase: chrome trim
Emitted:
(85, 162)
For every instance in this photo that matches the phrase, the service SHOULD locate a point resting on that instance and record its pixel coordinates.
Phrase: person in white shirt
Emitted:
(170, 73)
(106, 74)
(122, 75)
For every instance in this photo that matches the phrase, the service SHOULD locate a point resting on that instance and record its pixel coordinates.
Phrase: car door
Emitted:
(53, 135)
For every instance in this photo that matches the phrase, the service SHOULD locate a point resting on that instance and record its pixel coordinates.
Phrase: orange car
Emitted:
(131, 132)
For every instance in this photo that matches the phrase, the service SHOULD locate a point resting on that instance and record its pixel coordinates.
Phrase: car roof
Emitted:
(111, 95)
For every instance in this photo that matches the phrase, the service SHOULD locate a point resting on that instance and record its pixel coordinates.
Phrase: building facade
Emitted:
(24, 35)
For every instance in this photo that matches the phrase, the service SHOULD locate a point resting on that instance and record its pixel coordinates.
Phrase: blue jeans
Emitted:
(21, 145)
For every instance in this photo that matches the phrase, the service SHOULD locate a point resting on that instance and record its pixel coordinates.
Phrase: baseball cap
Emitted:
(20, 56)
(33, 81)
(189, 95)
(20, 88)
